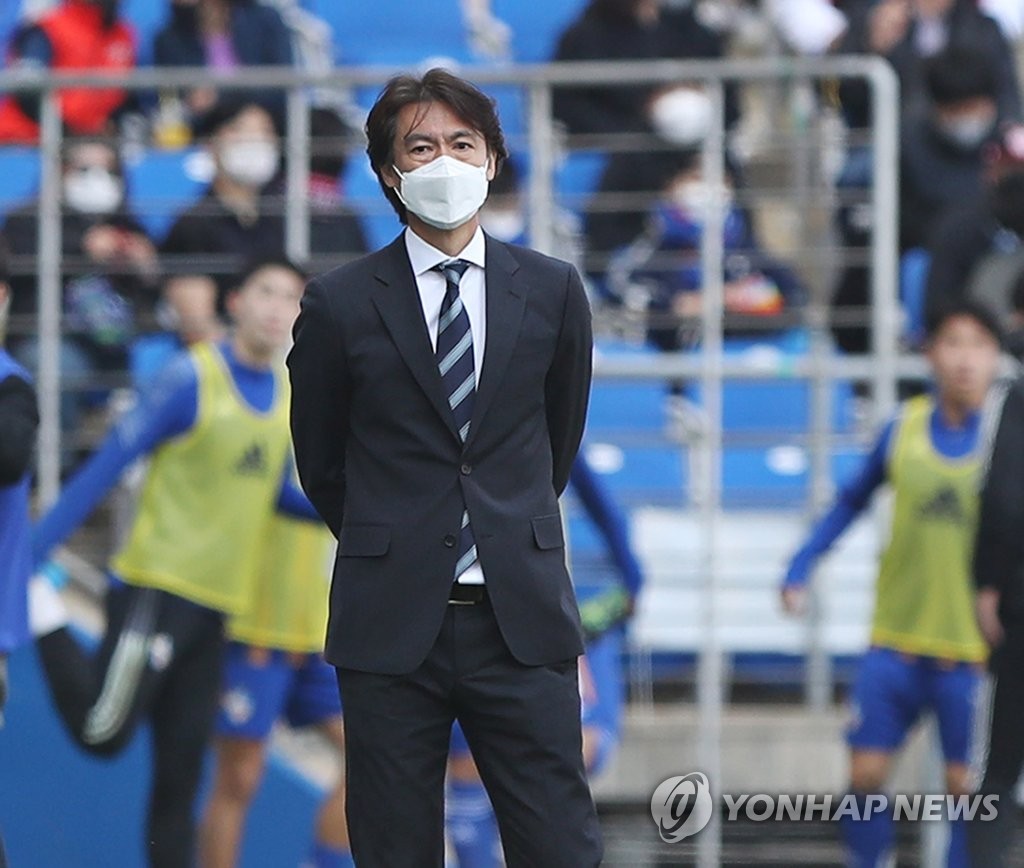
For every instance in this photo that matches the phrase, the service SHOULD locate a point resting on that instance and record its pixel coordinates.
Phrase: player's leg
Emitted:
(182, 719)
(469, 817)
(887, 700)
(239, 770)
(990, 841)
(255, 682)
(100, 697)
(314, 701)
(955, 692)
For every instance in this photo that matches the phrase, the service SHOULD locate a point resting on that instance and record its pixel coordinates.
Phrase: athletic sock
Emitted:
(472, 826)
(869, 839)
(323, 856)
(46, 609)
(957, 856)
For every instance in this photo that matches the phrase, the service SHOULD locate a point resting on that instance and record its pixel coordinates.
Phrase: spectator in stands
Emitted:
(236, 219)
(1015, 321)
(666, 261)
(76, 35)
(659, 118)
(926, 652)
(977, 249)
(109, 272)
(335, 233)
(907, 33)
(942, 147)
(223, 35)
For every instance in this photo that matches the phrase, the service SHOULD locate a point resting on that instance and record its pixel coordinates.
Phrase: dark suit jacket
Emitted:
(381, 460)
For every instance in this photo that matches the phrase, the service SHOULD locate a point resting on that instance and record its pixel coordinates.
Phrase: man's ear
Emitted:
(492, 166)
(390, 176)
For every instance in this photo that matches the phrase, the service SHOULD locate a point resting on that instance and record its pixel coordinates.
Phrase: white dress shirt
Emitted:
(423, 257)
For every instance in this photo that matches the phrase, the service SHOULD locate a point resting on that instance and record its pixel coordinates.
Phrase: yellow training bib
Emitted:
(209, 493)
(925, 597)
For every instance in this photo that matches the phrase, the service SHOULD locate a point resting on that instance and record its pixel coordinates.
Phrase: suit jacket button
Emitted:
(465, 470)
(449, 541)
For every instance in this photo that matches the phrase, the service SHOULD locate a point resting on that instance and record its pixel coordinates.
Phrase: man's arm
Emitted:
(19, 419)
(998, 546)
(852, 500)
(567, 387)
(320, 398)
(165, 410)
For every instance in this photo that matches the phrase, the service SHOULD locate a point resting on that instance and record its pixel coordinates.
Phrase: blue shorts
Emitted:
(254, 697)
(892, 691)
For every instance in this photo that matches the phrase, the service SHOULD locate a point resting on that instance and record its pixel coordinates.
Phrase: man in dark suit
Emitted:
(439, 393)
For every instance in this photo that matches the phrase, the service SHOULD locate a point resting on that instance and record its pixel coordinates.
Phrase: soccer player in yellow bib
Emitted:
(274, 669)
(926, 653)
(215, 428)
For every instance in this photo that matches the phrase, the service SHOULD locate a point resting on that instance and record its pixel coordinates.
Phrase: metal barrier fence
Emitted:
(710, 367)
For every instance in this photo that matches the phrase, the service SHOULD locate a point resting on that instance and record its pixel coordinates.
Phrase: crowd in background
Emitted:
(639, 221)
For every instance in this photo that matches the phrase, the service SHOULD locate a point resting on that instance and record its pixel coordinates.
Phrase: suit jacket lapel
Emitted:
(398, 302)
(506, 299)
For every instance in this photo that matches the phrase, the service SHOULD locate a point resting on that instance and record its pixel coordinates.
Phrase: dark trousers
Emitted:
(160, 659)
(991, 841)
(523, 727)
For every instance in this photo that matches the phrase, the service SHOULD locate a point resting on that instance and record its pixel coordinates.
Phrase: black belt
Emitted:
(466, 595)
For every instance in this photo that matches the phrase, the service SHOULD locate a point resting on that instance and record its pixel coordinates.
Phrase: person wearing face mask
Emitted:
(942, 146)
(666, 261)
(439, 391)
(655, 116)
(76, 35)
(909, 32)
(979, 245)
(223, 35)
(109, 275)
(236, 219)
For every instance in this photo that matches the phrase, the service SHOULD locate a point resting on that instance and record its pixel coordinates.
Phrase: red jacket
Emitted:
(80, 42)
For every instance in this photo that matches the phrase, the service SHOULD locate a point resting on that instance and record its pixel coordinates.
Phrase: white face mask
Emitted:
(694, 198)
(681, 116)
(93, 191)
(444, 193)
(252, 162)
(505, 224)
(968, 132)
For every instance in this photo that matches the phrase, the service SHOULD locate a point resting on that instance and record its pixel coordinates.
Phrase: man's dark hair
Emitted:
(254, 266)
(959, 74)
(977, 310)
(437, 85)
(228, 107)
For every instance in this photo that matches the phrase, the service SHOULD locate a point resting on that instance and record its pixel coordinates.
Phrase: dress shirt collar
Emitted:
(424, 256)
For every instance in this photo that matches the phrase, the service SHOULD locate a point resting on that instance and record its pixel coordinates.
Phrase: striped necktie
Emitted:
(455, 361)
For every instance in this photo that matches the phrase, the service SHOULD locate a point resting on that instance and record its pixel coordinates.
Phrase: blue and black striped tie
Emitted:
(455, 361)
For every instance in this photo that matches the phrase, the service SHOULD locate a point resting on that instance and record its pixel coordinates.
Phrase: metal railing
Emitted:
(711, 367)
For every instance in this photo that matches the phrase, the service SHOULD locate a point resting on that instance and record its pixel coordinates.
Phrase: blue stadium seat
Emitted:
(146, 17)
(161, 185)
(577, 176)
(19, 167)
(393, 31)
(776, 405)
(536, 27)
